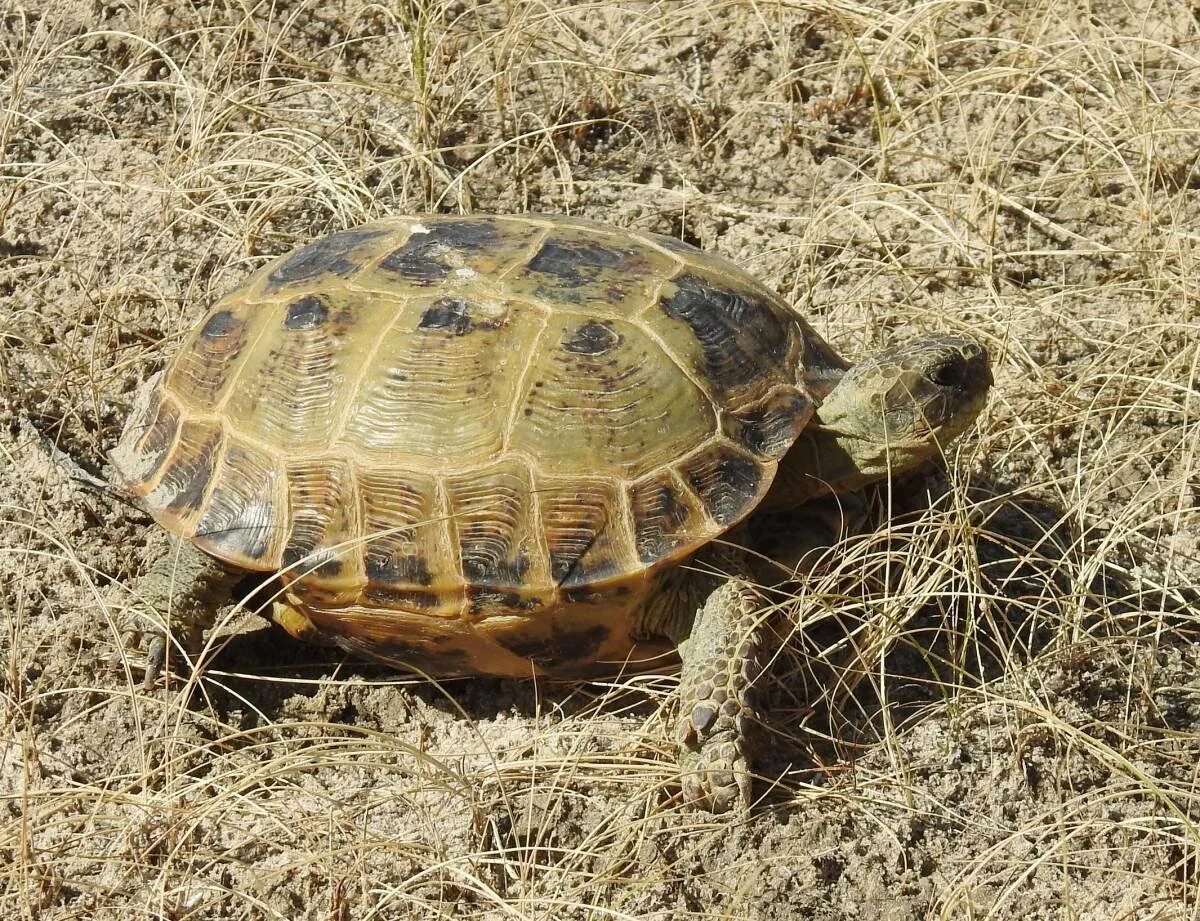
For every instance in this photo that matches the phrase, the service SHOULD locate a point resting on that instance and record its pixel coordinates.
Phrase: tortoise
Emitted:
(486, 444)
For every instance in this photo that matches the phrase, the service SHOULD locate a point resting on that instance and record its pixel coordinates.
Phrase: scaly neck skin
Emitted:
(818, 464)
(857, 437)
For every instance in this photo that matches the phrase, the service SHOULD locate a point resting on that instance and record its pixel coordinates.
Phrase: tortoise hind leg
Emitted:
(188, 587)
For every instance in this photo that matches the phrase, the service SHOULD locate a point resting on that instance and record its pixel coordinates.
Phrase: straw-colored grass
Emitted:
(987, 706)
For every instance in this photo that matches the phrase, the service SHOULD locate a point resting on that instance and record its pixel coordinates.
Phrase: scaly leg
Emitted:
(718, 626)
(715, 623)
(717, 708)
(188, 587)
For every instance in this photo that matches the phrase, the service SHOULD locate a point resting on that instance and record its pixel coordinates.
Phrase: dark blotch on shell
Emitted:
(489, 601)
(572, 570)
(422, 261)
(769, 429)
(301, 559)
(333, 255)
(219, 325)
(724, 481)
(450, 314)
(658, 515)
(445, 662)
(308, 312)
(557, 648)
(592, 338)
(427, 258)
(736, 330)
(474, 235)
(390, 569)
(481, 567)
(329, 568)
(573, 264)
(386, 596)
(194, 475)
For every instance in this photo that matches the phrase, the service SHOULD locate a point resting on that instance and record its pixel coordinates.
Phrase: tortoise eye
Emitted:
(948, 374)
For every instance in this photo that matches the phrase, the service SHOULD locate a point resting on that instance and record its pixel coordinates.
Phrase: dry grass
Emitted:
(986, 709)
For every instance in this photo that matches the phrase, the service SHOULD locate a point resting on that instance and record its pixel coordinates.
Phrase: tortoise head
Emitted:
(886, 416)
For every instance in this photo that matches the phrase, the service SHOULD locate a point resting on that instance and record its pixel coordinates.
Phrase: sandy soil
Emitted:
(987, 709)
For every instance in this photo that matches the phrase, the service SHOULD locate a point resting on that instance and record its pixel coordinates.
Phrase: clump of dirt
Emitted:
(987, 708)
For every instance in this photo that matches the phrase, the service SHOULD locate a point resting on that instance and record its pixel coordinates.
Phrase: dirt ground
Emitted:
(987, 708)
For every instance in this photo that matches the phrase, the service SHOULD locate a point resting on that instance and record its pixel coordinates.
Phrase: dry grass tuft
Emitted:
(986, 707)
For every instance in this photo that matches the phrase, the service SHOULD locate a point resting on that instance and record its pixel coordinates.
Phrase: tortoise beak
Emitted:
(977, 369)
(967, 369)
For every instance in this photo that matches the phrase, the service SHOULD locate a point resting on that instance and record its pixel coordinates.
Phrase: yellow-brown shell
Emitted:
(453, 419)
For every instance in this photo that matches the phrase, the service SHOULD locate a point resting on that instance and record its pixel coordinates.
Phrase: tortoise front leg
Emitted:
(720, 634)
(717, 628)
(716, 688)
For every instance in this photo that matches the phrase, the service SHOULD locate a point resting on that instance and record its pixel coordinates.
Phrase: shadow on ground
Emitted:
(836, 686)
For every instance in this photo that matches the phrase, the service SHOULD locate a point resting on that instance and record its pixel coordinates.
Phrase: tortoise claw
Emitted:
(133, 642)
(156, 658)
(716, 776)
(155, 644)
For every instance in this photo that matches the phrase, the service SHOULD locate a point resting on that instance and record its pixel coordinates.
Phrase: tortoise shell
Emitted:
(469, 442)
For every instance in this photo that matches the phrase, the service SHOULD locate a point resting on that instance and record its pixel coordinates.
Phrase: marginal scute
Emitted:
(483, 601)
(494, 518)
(585, 532)
(150, 432)
(406, 537)
(423, 600)
(188, 475)
(243, 521)
(727, 481)
(770, 426)
(666, 517)
(324, 546)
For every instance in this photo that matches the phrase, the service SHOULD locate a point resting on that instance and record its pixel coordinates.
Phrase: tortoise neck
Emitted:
(817, 465)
